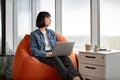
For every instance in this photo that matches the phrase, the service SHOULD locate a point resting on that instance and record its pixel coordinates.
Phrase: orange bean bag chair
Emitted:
(27, 67)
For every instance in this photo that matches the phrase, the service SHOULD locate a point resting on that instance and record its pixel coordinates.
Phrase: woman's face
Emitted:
(47, 21)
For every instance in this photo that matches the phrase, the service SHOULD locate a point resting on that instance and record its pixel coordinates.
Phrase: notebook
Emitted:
(63, 48)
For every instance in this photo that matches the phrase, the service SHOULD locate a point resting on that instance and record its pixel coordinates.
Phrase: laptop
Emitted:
(63, 48)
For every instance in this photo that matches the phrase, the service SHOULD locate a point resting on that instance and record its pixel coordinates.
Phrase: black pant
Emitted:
(63, 66)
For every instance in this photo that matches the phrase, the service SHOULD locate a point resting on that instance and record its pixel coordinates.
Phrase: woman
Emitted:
(42, 41)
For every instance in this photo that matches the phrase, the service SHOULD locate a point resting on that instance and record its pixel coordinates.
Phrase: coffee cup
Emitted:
(87, 47)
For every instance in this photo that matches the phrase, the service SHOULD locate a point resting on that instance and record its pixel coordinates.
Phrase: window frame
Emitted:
(3, 25)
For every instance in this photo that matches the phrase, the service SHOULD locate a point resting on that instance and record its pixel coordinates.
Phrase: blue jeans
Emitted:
(63, 66)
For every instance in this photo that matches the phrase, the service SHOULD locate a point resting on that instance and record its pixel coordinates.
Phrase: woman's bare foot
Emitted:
(76, 78)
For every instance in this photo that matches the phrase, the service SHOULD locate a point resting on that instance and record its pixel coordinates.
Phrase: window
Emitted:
(23, 18)
(18, 19)
(2, 27)
(0, 31)
(76, 21)
(109, 24)
(9, 25)
(49, 6)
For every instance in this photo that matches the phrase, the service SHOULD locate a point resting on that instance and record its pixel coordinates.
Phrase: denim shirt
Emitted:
(37, 42)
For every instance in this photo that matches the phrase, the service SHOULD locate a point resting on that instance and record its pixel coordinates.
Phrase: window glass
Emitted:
(109, 24)
(23, 18)
(9, 25)
(49, 6)
(76, 21)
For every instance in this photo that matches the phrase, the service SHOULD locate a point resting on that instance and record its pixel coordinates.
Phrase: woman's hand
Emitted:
(50, 54)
